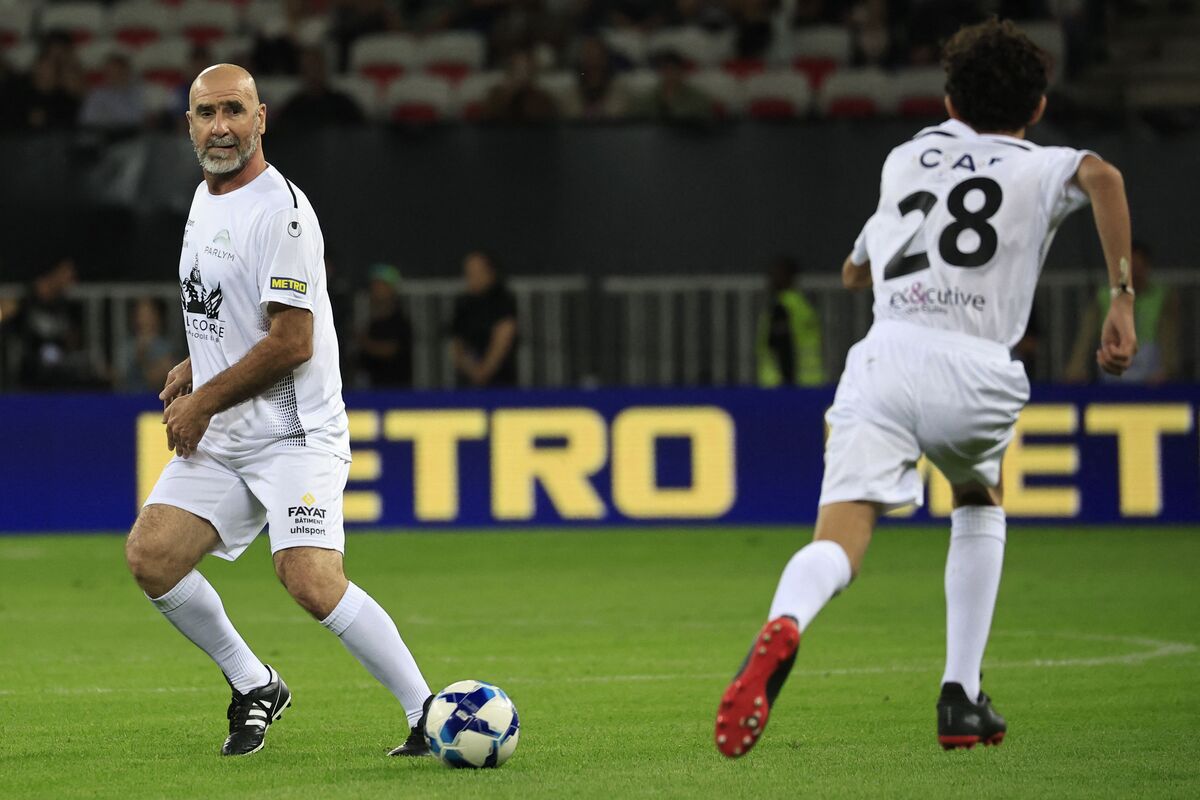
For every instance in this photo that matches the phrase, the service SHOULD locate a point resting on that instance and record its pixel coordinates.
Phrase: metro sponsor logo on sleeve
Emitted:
(289, 285)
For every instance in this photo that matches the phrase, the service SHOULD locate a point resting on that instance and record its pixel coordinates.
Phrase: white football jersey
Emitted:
(256, 245)
(963, 226)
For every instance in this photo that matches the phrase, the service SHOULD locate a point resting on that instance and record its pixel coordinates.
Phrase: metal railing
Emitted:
(636, 331)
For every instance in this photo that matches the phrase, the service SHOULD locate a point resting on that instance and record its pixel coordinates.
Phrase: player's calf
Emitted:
(746, 704)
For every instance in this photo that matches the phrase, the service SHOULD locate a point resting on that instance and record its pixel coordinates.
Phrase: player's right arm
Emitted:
(1104, 186)
(856, 276)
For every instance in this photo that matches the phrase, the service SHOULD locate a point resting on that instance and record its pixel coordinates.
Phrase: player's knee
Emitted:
(314, 580)
(147, 563)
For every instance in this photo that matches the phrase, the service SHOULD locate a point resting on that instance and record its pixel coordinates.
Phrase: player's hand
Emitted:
(186, 420)
(1118, 337)
(178, 383)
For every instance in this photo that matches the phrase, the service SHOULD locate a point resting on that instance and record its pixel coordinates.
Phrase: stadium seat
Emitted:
(233, 50)
(452, 55)
(418, 99)
(362, 91)
(724, 89)
(276, 91)
(743, 68)
(137, 23)
(83, 21)
(638, 83)
(780, 94)
(158, 99)
(22, 55)
(817, 51)
(93, 54)
(472, 91)
(384, 57)
(1049, 37)
(919, 92)
(627, 43)
(205, 22)
(164, 62)
(16, 23)
(697, 46)
(560, 85)
(857, 93)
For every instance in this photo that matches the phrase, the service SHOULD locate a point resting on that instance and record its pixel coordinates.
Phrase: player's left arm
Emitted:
(287, 345)
(856, 276)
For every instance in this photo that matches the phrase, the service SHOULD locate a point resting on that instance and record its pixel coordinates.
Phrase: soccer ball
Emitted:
(472, 724)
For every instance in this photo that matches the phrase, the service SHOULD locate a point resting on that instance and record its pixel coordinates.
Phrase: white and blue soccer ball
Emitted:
(472, 724)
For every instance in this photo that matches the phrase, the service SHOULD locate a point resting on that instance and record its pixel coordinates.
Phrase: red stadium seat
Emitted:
(698, 47)
(725, 90)
(16, 23)
(817, 51)
(452, 55)
(93, 54)
(83, 21)
(164, 62)
(920, 92)
(418, 99)
(204, 22)
(778, 95)
(384, 57)
(136, 23)
(743, 68)
(856, 94)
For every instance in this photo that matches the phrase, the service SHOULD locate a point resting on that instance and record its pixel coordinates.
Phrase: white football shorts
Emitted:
(295, 492)
(908, 390)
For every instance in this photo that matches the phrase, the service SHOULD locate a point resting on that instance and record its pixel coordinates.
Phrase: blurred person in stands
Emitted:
(518, 98)
(484, 328)
(46, 323)
(674, 99)
(13, 89)
(152, 354)
(754, 21)
(277, 43)
(118, 103)
(385, 345)
(55, 86)
(1157, 325)
(596, 95)
(789, 332)
(317, 104)
(199, 58)
(356, 18)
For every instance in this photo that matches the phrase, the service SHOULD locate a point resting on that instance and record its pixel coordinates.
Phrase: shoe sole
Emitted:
(742, 715)
(278, 715)
(968, 742)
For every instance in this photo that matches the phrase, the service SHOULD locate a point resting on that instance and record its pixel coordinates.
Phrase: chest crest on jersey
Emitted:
(201, 306)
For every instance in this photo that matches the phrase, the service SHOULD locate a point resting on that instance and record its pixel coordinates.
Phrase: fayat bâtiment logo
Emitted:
(201, 306)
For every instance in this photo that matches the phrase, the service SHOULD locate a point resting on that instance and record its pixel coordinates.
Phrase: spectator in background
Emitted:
(1157, 321)
(484, 328)
(46, 324)
(277, 43)
(674, 99)
(55, 86)
(789, 333)
(754, 20)
(318, 104)
(518, 98)
(596, 94)
(200, 58)
(385, 346)
(151, 355)
(355, 18)
(118, 103)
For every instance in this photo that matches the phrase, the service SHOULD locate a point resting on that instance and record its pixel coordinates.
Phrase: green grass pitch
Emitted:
(615, 647)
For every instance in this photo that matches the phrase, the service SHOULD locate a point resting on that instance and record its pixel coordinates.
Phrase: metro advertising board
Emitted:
(613, 457)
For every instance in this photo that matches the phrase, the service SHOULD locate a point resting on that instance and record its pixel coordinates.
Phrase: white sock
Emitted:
(371, 637)
(817, 572)
(194, 607)
(973, 565)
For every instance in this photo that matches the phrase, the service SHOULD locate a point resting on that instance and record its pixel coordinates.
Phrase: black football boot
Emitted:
(964, 724)
(415, 744)
(250, 715)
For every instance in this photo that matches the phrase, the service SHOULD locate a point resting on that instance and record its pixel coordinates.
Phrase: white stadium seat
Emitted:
(418, 99)
(21, 56)
(560, 85)
(779, 94)
(817, 52)
(233, 50)
(93, 54)
(695, 45)
(363, 91)
(452, 55)
(204, 22)
(725, 90)
(384, 57)
(164, 62)
(638, 83)
(857, 93)
(83, 21)
(136, 23)
(16, 23)
(473, 90)
(920, 91)
(628, 43)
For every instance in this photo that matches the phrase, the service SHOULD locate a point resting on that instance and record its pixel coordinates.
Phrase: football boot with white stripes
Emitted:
(250, 715)
(416, 744)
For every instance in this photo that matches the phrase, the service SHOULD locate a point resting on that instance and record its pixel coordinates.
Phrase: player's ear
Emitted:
(262, 118)
(950, 109)
(1037, 114)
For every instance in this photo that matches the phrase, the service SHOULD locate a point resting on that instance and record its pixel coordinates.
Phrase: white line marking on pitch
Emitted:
(1155, 648)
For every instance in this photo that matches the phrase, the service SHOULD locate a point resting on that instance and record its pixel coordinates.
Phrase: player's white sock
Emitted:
(371, 637)
(973, 565)
(194, 607)
(817, 572)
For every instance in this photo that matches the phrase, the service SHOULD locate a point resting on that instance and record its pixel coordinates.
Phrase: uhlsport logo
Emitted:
(918, 299)
(307, 519)
(201, 306)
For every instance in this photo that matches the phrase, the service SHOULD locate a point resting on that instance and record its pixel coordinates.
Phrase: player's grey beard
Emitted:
(222, 167)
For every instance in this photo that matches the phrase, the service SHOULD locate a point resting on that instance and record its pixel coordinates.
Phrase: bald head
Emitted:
(221, 79)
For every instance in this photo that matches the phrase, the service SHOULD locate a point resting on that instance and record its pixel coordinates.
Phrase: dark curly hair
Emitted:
(995, 75)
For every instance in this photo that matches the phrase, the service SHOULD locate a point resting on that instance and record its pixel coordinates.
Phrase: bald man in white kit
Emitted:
(256, 419)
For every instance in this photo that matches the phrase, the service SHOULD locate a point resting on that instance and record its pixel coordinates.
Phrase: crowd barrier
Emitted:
(612, 457)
